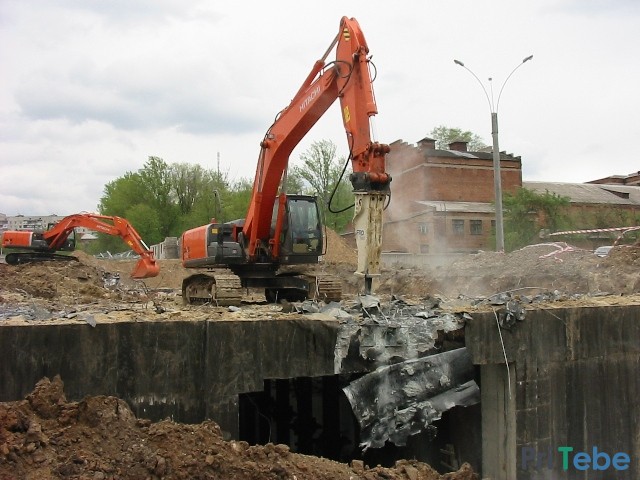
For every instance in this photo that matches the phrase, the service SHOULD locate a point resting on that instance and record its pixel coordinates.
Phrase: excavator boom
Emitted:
(348, 79)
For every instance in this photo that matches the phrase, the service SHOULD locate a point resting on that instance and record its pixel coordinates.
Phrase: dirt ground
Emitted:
(45, 436)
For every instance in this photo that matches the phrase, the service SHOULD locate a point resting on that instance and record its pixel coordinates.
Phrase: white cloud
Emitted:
(90, 89)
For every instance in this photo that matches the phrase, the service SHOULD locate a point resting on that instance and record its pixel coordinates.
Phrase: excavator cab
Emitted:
(301, 239)
(69, 244)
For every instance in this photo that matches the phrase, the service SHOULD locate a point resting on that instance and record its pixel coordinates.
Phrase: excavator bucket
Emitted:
(146, 268)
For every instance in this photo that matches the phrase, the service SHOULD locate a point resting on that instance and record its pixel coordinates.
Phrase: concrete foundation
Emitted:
(574, 383)
(572, 379)
(187, 371)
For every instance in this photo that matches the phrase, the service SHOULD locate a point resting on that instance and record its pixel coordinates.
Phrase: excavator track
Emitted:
(218, 288)
(17, 258)
(325, 287)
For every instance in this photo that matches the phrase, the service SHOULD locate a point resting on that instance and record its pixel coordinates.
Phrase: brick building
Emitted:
(442, 200)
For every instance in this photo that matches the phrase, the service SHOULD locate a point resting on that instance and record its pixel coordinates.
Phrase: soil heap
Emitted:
(46, 437)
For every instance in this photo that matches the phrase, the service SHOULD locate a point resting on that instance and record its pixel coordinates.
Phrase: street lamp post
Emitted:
(497, 181)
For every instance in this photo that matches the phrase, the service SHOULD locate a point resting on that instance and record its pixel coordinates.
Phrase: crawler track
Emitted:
(17, 258)
(325, 287)
(222, 289)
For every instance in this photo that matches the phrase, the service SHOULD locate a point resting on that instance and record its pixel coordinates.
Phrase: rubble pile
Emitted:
(46, 437)
(545, 267)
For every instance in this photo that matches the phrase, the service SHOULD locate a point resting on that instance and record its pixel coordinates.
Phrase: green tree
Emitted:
(604, 217)
(527, 212)
(235, 202)
(294, 183)
(121, 193)
(446, 135)
(198, 193)
(120, 198)
(158, 186)
(187, 181)
(322, 171)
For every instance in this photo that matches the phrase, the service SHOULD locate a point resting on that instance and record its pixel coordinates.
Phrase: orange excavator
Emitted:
(40, 246)
(282, 230)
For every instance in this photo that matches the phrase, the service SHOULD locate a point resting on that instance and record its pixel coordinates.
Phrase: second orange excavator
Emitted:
(33, 246)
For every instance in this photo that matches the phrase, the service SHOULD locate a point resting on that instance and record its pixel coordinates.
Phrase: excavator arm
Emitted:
(346, 78)
(111, 225)
(56, 237)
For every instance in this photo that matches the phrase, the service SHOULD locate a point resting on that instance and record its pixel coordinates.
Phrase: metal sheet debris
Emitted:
(28, 312)
(395, 332)
(403, 399)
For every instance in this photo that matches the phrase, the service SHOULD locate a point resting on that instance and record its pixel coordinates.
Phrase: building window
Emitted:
(423, 228)
(458, 226)
(476, 227)
(424, 248)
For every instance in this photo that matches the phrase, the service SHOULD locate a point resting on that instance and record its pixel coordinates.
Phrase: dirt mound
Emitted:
(339, 251)
(537, 267)
(72, 280)
(46, 437)
(542, 267)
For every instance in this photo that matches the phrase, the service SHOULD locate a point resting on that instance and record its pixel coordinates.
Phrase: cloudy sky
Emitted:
(90, 88)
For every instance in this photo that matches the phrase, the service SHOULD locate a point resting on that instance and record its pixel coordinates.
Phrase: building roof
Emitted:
(589, 192)
(430, 151)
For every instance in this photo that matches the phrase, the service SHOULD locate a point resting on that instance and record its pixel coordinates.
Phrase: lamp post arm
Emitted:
(509, 76)
(458, 62)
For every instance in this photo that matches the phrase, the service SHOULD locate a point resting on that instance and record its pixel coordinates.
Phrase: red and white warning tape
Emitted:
(597, 230)
(623, 230)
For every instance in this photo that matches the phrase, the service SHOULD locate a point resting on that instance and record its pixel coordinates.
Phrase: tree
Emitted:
(527, 212)
(198, 194)
(164, 200)
(157, 180)
(445, 135)
(145, 218)
(121, 197)
(121, 193)
(294, 183)
(322, 171)
(187, 181)
(235, 202)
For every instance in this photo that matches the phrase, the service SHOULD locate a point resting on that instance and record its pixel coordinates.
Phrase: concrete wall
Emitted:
(575, 382)
(188, 371)
(573, 377)
(167, 249)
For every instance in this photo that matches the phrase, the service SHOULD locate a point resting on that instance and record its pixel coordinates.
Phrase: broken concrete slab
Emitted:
(400, 400)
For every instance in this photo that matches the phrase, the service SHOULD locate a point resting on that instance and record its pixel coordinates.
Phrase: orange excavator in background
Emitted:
(284, 230)
(41, 246)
